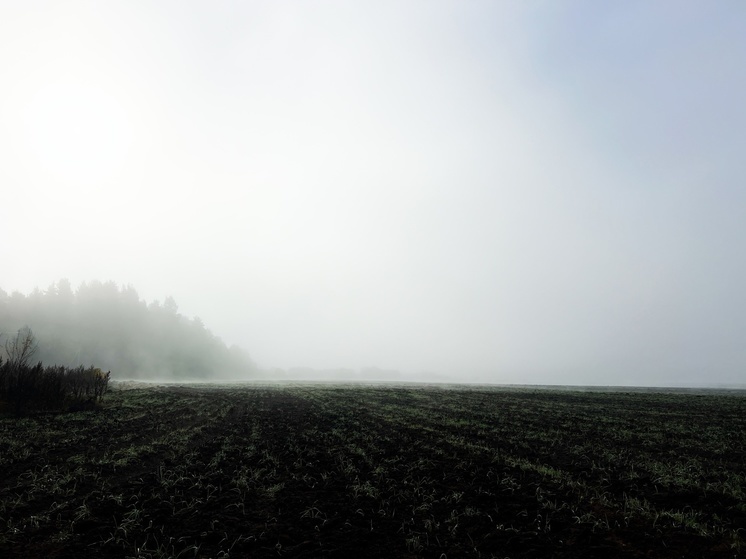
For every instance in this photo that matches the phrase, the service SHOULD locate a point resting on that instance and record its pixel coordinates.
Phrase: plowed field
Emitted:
(376, 471)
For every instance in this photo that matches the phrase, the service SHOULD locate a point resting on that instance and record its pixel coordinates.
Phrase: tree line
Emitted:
(25, 387)
(110, 326)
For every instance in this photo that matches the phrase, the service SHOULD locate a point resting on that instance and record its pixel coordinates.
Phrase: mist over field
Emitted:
(111, 327)
(503, 192)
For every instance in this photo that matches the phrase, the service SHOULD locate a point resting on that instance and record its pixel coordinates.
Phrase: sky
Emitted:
(530, 192)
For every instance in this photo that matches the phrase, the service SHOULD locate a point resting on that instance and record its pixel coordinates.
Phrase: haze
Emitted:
(523, 192)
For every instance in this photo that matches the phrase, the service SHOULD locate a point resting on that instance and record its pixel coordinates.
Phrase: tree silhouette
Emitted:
(20, 348)
(103, 324)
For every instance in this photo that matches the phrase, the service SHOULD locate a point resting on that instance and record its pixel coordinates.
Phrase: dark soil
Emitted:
(364, 472)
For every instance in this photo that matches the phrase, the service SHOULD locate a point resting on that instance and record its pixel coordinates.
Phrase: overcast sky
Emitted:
(516, 191)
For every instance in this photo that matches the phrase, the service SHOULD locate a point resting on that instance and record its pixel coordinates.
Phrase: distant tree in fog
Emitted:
(112, 327)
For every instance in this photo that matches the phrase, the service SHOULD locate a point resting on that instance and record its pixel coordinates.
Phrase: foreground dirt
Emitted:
(323, 471)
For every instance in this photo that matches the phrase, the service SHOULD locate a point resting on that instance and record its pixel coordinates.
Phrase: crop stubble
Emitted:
(377, 471)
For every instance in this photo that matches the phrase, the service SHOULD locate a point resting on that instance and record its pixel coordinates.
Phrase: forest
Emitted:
(111, 327)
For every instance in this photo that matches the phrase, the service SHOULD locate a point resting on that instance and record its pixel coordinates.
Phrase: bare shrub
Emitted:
(21, 348)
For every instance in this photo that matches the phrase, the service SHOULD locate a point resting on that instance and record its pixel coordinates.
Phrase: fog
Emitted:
(510, 192)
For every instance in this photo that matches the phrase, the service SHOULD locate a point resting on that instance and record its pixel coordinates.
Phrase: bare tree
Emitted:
(20, 349)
